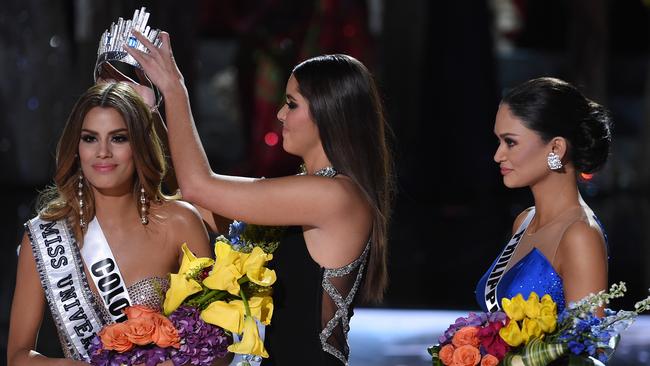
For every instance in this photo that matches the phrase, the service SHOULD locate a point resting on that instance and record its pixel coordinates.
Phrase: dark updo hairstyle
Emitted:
(346, 107)
(554, 108)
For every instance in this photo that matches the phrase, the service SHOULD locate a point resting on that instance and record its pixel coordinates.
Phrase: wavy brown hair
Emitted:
(345, 105)
(61, 201)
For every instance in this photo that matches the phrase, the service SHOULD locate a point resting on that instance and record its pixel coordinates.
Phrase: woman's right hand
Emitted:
(158, 63)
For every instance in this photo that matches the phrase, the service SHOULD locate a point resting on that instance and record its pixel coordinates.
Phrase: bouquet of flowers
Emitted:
(207, 302)
(530, 332)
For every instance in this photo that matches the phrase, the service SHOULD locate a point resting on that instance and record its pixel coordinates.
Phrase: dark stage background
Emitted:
(441, 66)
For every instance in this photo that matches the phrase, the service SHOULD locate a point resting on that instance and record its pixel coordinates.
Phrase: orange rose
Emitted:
(489, 360)
(466, 356)
(446, 354)
(165, 334)
(140, 330)
(138, 311)
(466, 336)
(114, 337)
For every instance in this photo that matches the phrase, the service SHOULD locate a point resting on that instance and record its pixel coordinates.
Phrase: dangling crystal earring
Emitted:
(80, 194)
(554, 162)
(143, 207)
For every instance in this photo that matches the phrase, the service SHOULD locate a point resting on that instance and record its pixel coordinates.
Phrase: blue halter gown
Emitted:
(533, 272)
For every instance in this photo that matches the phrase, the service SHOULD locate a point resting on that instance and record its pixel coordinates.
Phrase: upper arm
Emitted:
(582, 261)
(187, 226)
(28, 304)
(293, 200)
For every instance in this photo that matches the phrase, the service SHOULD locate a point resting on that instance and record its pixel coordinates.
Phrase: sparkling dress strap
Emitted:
(337, 301)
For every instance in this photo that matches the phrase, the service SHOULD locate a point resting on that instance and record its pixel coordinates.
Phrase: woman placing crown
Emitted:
(101, 221)
(338, 211)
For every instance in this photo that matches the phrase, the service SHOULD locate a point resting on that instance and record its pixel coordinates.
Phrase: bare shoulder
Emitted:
(581, 238)
(177, 212)
(348, 198)
(520, 218)
(183, 224)
(347, 190)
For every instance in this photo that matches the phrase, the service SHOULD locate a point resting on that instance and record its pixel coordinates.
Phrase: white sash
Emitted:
(61, 271)
(104, 271)
(499, 269)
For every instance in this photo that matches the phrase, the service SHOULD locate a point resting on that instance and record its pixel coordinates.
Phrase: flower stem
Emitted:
(243, 298)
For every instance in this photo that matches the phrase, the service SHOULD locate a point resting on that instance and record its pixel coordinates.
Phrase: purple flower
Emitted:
(201, 343)
(472, 320)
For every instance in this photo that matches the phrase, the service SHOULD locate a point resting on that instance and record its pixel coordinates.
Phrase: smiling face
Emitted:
(522, 154)
(300, 134)
(105, 152)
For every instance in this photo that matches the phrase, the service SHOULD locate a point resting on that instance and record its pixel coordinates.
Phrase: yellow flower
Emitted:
(226, 270)
(515, 307)
(548, 317)
(228, 316)
(261, 308)
(531, 309)
(511, 334)
(548, 300)
(224, 278)
(225, 255)
(251, 343)
(254, 268)
(531, 329)
(181, 284)
(179, 289)
(190, 263)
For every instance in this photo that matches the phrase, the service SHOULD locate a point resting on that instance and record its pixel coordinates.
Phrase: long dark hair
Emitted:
(345, 105)
(555, 108)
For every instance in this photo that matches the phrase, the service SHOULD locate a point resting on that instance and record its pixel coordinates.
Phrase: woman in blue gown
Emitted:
(549, 133)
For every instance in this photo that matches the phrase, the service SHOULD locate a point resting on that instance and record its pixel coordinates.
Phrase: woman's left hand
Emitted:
(158, 63)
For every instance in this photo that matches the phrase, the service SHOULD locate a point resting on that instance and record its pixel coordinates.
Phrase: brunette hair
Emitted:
(61, 200)
(346, 107)
(553, 107)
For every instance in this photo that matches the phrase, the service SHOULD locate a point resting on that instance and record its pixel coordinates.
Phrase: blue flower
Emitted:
(236, 229)
(602, 357)
(576, 347)
(591, 347)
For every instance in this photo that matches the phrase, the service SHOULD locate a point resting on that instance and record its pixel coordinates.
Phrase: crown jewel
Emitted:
(119, 34)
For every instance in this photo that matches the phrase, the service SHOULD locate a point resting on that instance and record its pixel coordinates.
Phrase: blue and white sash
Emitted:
(104, 271)
(499, 269)
(61, 271)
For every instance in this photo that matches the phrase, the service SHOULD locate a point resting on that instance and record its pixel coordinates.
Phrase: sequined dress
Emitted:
(148, 291)
(313, 306)
(530, 268)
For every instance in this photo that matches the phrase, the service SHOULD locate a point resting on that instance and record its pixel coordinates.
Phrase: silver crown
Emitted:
(119, 34)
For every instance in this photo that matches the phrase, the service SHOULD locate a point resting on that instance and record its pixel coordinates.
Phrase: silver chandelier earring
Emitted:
(80, 194)
(554, 162)
(143, 207)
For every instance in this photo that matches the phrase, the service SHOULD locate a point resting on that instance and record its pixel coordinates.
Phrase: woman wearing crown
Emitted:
(87, 255)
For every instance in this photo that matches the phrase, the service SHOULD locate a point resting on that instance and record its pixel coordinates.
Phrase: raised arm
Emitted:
(27, 314)
(279, 201)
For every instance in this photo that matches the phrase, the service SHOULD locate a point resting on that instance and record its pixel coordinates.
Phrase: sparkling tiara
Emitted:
(119, 34)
